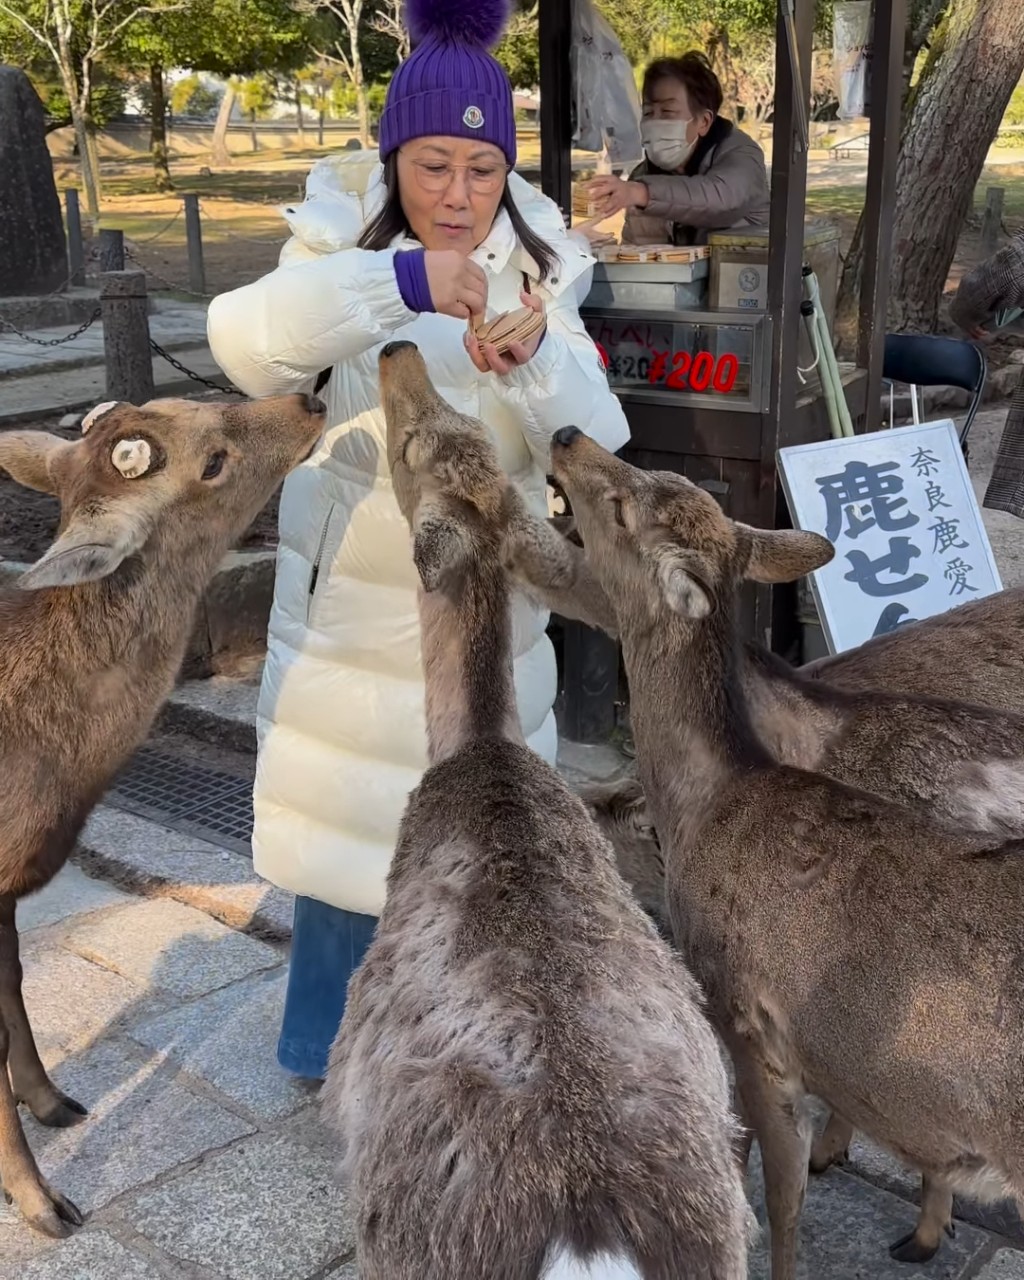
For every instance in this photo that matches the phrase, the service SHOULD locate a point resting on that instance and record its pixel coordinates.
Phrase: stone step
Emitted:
(49, 394)
(142, 857)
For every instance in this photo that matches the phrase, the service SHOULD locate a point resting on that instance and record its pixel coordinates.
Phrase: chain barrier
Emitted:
(166, 227)
(189, 373)
(7, 326)
(170, 284)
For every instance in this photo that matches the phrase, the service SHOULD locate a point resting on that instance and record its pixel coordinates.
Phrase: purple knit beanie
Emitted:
(450, 85)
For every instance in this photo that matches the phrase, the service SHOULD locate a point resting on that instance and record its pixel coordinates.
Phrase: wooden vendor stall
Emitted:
(706, 367)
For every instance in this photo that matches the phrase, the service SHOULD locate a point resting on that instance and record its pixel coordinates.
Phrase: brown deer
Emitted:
(848, 735)
(849, 947)
(523, 1079)
(91, 638)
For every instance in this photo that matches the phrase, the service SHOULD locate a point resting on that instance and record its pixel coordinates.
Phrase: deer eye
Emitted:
(214, 465)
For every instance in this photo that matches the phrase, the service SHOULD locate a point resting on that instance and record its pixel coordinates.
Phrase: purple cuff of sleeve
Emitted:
(411, 276)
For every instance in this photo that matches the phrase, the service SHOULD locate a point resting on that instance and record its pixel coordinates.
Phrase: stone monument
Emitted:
(33, 253)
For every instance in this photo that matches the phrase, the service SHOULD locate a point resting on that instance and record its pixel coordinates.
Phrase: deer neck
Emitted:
(690, 718)
(467, 662)
(797, 721)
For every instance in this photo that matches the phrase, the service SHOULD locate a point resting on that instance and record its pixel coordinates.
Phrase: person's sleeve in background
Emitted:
(995, 284)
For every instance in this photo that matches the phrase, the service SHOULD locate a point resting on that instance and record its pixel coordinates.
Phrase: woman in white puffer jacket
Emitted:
(444, 230)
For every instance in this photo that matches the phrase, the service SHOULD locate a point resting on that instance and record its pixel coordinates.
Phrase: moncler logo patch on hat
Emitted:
(473, 118)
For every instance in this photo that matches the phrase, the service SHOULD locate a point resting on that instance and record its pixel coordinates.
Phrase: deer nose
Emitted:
(314, 404)
(564, 436)
(390, 349)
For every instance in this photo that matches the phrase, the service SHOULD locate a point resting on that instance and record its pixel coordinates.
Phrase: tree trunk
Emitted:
(158, 130)
(954, 114)
(85, 162)
(320, 128)
(220, 154)
(252, 130)
(299, 117)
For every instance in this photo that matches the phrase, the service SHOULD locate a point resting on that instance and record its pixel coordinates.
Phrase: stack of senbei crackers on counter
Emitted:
(652, 252)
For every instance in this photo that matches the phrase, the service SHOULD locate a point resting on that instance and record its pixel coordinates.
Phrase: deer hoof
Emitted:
(55, 1109)
(910, 1249)
(49, 1212)
(822, 1160)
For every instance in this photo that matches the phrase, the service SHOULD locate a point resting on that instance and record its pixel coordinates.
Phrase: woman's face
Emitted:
(450, 189)
(667, 99)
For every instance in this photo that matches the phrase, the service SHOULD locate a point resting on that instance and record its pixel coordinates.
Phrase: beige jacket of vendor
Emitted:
(728, 189)
(701, 173)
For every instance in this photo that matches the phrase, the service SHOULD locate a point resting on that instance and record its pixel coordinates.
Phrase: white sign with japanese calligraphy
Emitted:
(900, 510)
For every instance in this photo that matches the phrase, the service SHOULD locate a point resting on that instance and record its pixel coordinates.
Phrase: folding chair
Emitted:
(923, 360)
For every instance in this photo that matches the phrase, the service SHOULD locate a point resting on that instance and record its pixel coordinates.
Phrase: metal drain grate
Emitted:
(188, 797)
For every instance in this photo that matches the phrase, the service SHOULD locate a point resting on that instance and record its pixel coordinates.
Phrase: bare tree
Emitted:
(345, 52)
(76, 34)
(388, 21)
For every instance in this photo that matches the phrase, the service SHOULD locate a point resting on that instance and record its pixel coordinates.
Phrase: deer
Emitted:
(839, 731)
(92, 636)
(849, 947)
(524, 1082)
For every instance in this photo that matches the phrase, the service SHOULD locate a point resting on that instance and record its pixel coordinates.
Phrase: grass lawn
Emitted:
(243, 230)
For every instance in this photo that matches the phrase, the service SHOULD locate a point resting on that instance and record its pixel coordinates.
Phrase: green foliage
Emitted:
(519, 51)
(190, 97)
(256, 95)
(343, 98)
(226, 37)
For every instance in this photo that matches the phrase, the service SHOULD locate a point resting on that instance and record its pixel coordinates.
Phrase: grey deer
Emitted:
(850, 947)
(91, 638)
(524, 1080)
(961, 763)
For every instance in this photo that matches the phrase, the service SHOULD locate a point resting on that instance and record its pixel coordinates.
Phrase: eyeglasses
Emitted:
(482, 178)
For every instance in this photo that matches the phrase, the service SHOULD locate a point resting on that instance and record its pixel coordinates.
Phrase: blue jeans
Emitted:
(328, 945)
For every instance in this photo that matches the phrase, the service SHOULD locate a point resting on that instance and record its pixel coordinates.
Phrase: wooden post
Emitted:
(111, 251)
(992, 221)
(126, 349)
(194, 235)
(76, 251)
(555, 19)
(591, 662)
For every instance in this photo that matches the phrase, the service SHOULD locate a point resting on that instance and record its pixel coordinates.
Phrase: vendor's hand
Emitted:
(977, 332)
(458, 287)
(485, 354)
(611, 194)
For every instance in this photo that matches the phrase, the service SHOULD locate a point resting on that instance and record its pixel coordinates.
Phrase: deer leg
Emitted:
(31, 1084)
(41, 1206)
(936, 1219)
(783, 1135)
(832, 1145)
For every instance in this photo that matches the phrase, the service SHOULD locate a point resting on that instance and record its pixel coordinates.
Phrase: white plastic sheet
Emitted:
(852, 27)
(604, 91)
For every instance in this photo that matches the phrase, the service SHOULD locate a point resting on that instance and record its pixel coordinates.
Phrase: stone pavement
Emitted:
(39, 382)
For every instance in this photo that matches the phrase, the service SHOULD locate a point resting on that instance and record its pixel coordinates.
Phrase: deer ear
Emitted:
(783, 555)
(28, 457)
(681, 587)
(440, 552)
(91, 547)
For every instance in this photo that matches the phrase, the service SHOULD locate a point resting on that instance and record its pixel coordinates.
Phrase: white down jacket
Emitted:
(341, 709)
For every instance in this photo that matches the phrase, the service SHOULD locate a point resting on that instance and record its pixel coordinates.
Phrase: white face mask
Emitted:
(665, 142)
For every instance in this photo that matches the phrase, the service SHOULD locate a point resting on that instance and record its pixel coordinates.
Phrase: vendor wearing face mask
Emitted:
(701, 173)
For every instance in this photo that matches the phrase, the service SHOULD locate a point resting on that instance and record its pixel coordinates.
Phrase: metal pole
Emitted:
(884, 112)
(555, 32)
(111, 250)
(76, 249)
(127, 353)
(194, 235)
